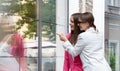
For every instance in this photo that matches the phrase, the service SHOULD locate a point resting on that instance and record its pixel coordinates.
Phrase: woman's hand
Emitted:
(62, 37)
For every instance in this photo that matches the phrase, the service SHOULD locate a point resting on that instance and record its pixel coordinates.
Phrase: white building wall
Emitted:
(61, 27)
(73, 7)
(98, 12)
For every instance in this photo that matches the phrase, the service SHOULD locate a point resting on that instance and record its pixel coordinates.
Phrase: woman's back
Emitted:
(92, 54)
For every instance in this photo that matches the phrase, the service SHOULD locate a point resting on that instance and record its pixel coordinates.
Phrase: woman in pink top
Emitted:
(70, 63)
(18, 45)
(18, 51)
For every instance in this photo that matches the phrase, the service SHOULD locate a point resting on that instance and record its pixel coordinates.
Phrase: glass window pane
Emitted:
(48, 35)
(48, 64)
(8, 63)
(32, 64)
(18, 28)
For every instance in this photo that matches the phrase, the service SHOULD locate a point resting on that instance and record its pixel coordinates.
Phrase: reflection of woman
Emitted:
(18, 50)
(7, 61)
(70, 63)
(18, 46)
(88, 45)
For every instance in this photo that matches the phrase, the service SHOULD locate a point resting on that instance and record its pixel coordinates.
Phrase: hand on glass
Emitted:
(62, 37)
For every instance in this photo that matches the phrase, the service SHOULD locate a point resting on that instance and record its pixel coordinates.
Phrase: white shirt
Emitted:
(7, 61)
(89, 47)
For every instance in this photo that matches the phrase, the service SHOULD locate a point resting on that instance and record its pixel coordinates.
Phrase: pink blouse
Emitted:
(18, 47)
(18, 51)
(72, 64)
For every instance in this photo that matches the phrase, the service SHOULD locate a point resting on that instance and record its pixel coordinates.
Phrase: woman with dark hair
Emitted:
(70, 63)
(88, 46)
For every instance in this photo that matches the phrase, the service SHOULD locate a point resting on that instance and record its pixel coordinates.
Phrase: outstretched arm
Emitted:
(73, 50)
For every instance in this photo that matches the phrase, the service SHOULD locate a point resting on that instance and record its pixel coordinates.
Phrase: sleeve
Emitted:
(77, 49)
(66, 65)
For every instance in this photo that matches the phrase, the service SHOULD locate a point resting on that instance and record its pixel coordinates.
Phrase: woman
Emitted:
(88, 45)
(18, 46)
(70, 63)
(18, 50)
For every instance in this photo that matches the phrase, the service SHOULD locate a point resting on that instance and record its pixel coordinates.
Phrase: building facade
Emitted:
(112, 30)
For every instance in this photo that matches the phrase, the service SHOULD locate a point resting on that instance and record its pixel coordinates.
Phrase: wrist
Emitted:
(65, 40)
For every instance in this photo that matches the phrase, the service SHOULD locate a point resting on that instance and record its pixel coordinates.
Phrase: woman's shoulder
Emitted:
(68, 35)
(83, 34)
(90, 35)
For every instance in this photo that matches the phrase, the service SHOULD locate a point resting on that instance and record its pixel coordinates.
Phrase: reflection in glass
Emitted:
(112, 33)
(18, 17)
(32, 64)
(48, 35)
(48, 64)
(8, 63)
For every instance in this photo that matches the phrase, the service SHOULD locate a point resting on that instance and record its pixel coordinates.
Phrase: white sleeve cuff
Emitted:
(66, 45)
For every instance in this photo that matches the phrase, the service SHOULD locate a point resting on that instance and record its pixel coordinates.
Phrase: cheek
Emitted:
(72, 28)
(72, 25)
(80, 25)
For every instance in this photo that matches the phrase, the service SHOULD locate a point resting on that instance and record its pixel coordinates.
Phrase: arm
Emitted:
(77, 49)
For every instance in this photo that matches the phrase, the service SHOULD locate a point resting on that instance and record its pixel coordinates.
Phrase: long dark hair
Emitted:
(88, 17)
(76, 31)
